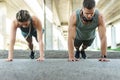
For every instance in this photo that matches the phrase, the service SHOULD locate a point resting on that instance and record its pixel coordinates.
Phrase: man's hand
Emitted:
(9, 59)
(41, 59)
(104, 60)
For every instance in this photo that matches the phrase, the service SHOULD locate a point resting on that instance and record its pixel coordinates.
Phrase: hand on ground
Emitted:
(104, 60)
(9, 59)
(41, 59)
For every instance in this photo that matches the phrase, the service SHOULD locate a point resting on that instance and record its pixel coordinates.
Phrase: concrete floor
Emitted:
(57, 54)
(59, 69)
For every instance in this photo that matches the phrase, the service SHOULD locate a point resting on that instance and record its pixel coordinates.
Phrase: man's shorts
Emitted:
(78, 43)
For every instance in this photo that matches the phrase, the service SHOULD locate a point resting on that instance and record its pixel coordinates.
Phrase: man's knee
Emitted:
(84, 47)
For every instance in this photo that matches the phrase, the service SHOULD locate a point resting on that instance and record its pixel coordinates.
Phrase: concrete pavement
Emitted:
(57, 54)
(59, 69)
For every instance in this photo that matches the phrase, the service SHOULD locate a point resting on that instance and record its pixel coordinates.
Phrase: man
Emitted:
(81, 31)
(29, 26)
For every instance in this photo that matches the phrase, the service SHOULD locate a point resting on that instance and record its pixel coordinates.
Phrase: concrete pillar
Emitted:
(3, 33)
(55, 37)
(49, 26)
(113, 37)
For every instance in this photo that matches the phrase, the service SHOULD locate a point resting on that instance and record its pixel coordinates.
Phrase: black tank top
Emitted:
(26, 30)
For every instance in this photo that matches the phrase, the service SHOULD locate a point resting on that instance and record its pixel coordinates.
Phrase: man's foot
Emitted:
(83, 54)
(77, 54)
(32, 55)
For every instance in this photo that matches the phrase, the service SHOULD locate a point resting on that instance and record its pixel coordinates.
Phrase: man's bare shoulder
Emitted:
(73, 18)
(101, 18)
(100, 15)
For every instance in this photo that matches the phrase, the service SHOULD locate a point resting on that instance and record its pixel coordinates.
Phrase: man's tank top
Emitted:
(86, 31)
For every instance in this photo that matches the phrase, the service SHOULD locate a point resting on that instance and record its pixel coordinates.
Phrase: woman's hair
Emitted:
(23, 16)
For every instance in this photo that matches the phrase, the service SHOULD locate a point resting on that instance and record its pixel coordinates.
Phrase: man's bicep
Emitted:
(72, 26)
(71, 31)
(102, 31)
(101, 26)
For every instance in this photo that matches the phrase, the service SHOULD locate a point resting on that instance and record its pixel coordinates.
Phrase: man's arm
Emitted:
(38, 26)
(71, 36)
(12, 40)
(102, 35)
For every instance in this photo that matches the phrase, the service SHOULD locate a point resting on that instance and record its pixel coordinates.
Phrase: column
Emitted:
(48, 25)
(3, 25)
(113, 37)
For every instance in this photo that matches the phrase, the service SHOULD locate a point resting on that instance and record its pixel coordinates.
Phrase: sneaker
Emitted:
(32, 55)
(83, 55)
(77, 54)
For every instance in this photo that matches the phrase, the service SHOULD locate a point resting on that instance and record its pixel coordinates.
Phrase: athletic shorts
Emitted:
(31, 34)
(78, 43)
